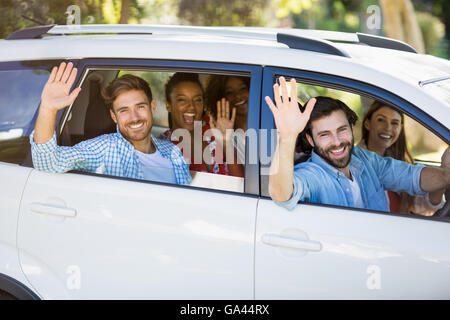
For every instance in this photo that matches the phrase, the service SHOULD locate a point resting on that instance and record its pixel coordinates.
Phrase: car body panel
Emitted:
(13, 179)
(139, 240)
(363, 255)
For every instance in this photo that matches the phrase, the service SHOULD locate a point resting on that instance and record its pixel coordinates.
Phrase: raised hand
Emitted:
(56, 93)
(290, 121)
(224, 121)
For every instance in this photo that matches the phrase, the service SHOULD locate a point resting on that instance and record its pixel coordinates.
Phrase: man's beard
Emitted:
(337, 163)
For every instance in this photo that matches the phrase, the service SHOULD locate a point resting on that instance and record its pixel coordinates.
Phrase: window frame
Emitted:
(251, 179)
(33, 65)
(358, 87)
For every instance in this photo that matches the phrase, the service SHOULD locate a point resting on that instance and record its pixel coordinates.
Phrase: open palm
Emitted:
(56, 94)
(290, 121)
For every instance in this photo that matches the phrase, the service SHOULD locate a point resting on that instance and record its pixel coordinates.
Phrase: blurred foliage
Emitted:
(432, 31)
(222, 13)
(441, 10)
(337, 15)
(54, 11)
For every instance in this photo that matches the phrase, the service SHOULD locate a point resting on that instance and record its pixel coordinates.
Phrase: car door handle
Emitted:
(287, 242)
(54, 210)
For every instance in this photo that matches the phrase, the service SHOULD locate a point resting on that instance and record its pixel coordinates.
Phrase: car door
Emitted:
(21, 83)
(327, 252)
(88, 236)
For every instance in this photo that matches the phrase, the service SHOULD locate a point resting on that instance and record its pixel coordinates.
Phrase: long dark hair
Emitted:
(215, 90)
(398, 150)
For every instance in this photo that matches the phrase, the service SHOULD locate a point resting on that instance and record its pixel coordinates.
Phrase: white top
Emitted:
(239, 145)
(356, 191)
(156, 168)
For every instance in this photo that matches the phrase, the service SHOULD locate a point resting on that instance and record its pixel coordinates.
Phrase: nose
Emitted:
(134, 115)
(336, 141)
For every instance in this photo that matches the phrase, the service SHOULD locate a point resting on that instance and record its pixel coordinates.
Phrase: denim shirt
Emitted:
(109, 154)
(316, 181)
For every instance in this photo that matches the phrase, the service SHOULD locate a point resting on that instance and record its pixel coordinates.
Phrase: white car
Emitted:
(79, 235)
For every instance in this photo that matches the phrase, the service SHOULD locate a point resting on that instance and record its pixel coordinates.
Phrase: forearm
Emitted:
(282, 170)
(434, 179)
(45, 125)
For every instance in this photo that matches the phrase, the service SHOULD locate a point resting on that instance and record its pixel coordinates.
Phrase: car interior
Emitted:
(89, 117)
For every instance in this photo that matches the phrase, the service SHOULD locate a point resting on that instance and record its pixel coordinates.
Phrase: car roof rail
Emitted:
(310, 40)
(310, 44)
(30, 33)
(383, 42)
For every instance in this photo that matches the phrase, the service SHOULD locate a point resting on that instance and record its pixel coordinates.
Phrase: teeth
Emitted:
(239, 103)
(385, 136)
(189, 114)
(137, 125)
(338, 151)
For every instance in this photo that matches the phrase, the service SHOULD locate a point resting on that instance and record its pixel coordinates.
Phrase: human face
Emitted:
(332, 139)
(133, 113)
(384, 128)
(236, 92)
(186, 105)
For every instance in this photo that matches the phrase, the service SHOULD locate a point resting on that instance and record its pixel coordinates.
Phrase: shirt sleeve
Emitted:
(396, 175)
(299, 192)
(49, 157)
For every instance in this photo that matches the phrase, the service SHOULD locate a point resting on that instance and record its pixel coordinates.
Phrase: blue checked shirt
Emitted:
(109, 154)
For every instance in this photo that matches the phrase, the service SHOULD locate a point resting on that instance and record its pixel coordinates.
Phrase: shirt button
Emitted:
(348, 190)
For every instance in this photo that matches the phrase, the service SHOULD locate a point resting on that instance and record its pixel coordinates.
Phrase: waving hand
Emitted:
(290, 121)
(56, 94)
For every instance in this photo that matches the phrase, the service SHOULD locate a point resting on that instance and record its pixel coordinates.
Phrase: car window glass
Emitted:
(386, 124)
(20, 93)
(90, 118)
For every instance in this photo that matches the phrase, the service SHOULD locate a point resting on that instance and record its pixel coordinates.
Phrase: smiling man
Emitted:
(130, 152)
(337, 172)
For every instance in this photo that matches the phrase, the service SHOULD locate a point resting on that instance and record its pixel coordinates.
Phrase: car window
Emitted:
(20, 93)
(89, 117)
(381, 128)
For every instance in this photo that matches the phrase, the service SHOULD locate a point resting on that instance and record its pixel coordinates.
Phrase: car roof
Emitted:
(386, 68)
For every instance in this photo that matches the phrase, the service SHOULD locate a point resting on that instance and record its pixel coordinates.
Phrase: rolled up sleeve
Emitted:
(297, 193)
